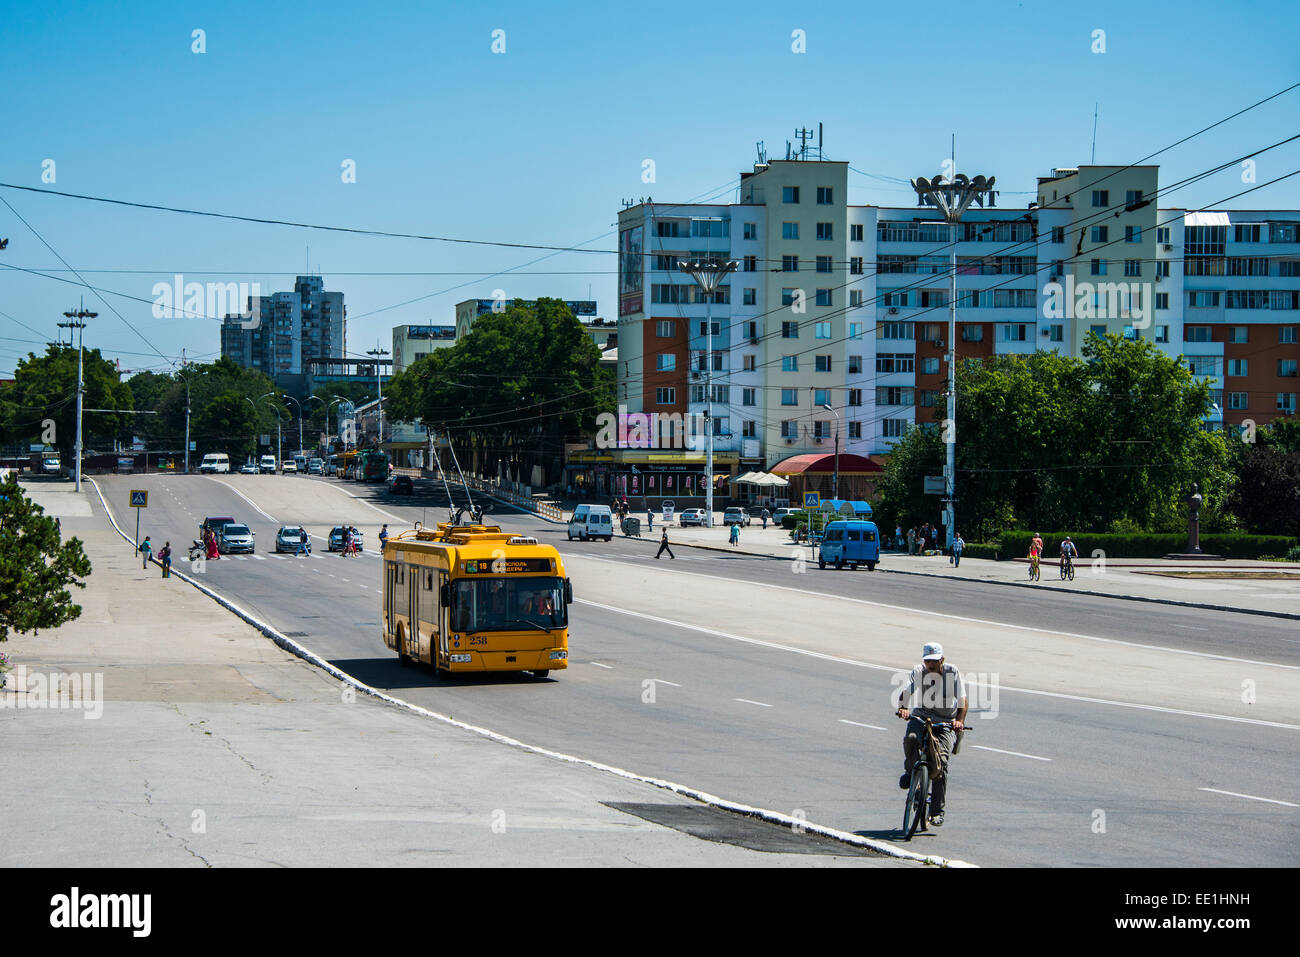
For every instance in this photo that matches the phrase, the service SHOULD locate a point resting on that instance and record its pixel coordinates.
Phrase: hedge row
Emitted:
(1016, 545)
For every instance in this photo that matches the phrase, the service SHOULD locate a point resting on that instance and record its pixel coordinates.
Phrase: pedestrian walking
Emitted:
(649, 520)
(735, 534)
(166, 556)
(663, 546)
(146, 549)
(957, 546)
(383, 537)
(766, 516)
(898, 536)
(911, 540)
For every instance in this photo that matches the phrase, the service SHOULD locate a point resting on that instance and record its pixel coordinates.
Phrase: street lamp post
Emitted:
(708, 274)
(836, 493)
(279, 439)
(254, 405)
(299, 405)
(80, 314)
(379, 383)
(952, 198)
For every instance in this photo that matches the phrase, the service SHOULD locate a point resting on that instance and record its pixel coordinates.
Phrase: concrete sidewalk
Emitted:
(215, 747)
(1133, 579)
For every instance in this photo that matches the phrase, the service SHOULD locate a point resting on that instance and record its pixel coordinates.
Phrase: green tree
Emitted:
(44, 393)
(519, 385)
(35, 566)
(227, 424)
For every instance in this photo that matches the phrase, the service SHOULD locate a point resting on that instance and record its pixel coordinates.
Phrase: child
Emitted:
(166, 556)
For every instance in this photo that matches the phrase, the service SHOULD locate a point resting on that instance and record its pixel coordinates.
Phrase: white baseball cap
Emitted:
(932, 652)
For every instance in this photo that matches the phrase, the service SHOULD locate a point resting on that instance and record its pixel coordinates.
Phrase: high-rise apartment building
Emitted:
(847, 306)
(279, 333)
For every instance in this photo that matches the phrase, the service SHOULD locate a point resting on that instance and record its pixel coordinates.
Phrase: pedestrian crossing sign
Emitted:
(139, 498)
(812, 499)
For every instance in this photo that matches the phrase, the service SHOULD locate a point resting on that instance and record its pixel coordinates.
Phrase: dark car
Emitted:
(337, 540)
(401, 485)
(215, 524)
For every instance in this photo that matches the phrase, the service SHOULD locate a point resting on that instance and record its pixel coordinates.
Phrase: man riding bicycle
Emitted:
(1068, 552)
(943, 698)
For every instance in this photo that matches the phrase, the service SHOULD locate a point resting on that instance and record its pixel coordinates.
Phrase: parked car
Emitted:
(401, 485)
(235, 538)
(316, 467)
(248, 469)
(290, 467)
(781, 513)
(735, 516)
(337, 540)
(692, 516)
(290, 537)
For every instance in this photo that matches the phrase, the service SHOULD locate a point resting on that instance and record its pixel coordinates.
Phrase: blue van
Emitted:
(850, 542)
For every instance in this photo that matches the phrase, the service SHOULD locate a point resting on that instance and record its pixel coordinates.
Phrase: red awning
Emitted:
(819, 463)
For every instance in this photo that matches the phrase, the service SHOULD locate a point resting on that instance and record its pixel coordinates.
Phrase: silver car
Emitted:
(292, 538)
(236, 538)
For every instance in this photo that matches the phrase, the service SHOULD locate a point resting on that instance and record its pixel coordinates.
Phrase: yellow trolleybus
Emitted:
(475, 598)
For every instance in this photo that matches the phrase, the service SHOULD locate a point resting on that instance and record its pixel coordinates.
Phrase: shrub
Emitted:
(1139, 545)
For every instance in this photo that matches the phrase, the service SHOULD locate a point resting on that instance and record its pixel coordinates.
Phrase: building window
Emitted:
(747, 363)
(1286, 334)
(972, 333)
(1163, 235)
(789, 330)
(1014, 333)
(1162, 300)
(789, 230)
(823, 297)
(1286, 402)
(855, 430)
(666, 361)
(1058, 234)
(748, 396)
(855, 397)
(1203, 300)
(855, 233)
(789, 429)
(665, 396)
(821, 397)
(751, 230)
(823, 263)
(856, 265)
(1238, 401)
(789, 363)
(789, 194)
(895, 330)
(1099, 267)
(857, 330)
(930, 365)
(1286, 367)
(888, 362)
(1132, 234)
(1238, 333)
(751, 264)
(855, 365)
(704, 328)
(1097, 330)
(822, 330)
(855, 298)
(1162, 333)
(750, 297)
(1100, 198)
(895, 428)
(1205, 365)
(824, 194)
(788, 296)
(666, 328)
(824, 364)
(1132, 267)
(789, 264)
(1100, 234)
(1196, 334)
(789, 396)
(824, 231)
(895, 395)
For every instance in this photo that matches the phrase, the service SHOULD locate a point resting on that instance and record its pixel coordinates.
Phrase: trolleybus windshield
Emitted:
(509, 604)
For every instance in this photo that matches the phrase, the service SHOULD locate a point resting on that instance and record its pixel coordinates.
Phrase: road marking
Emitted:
(859, 724)
(1249, 797)
(976, 621)
(892, 670)
(1017, 754)
(747, 701)
(348, 580)
(331, 574)
(258, 508)
(260, 558)
(661, 681)
(599, 665)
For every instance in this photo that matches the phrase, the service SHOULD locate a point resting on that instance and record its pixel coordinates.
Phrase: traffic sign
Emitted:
(812, 499)
(139, 498)
(934, 485)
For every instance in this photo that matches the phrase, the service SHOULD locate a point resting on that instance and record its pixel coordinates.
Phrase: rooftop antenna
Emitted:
(762, 153)
(820, 154)
(804, 136)
(1095, 110)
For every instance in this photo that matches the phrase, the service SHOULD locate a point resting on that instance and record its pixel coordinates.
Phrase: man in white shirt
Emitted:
(942, 698)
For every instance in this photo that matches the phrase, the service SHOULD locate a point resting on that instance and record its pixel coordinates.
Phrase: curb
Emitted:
(1039, 587)
(772, 817)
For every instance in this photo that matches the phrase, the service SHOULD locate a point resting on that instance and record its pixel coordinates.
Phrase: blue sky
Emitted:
(540, 143)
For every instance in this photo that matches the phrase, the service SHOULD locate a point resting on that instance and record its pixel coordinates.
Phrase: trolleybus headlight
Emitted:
(561, 655)
(462, 659)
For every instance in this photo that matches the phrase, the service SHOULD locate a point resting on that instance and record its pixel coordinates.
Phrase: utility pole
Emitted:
(80, 314)
(952, 198)
(184, 365)
(708, 274)
(379, 383)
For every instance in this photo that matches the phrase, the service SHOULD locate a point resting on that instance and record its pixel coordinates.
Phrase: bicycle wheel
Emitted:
(1064, 571)
(1071, 571)
(917, 793)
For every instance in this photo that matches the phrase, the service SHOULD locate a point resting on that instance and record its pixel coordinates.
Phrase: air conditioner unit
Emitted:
(1046, 331)
(819, 440)
(1169, 247)
(939, 343)
(753, 340)
(1159, 277)
(893, 310)
(789, 441)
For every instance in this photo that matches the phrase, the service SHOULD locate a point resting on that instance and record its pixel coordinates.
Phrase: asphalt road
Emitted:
(682, 687)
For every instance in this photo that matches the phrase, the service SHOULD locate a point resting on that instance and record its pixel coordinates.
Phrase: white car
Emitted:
(249, 469)
(289, 468)
(692, 516)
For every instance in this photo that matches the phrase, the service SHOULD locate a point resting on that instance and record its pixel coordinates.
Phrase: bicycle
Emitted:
(1035, 571)
(915, 811)
(1067, 568)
